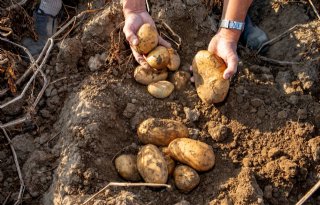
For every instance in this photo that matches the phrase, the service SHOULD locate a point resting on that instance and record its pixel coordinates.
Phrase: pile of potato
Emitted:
(160, 59)
(165, 142)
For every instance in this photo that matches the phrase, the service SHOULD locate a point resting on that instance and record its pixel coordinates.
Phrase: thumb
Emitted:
(232, 64)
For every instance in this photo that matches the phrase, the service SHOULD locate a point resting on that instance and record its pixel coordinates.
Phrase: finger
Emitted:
(232, 64)
(164, 42)
(130, 36)
(139, 58)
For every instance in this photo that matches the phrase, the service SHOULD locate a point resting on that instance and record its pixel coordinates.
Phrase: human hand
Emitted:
(133, 21)
(224, 45)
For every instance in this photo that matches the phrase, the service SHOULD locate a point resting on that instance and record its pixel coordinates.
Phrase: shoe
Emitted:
(252, 36)
(45, 26)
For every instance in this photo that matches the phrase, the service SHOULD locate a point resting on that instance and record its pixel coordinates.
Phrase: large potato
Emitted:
(126, 166)
(174, 60)
(158, 58)
(147, 76)
(148, 39)
(196, 154)
(171, 164)
(208, 77)
(161, 132)
(185, 178)
(161, 89)
(152, 165)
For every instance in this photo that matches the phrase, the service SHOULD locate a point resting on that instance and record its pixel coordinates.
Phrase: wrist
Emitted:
(133, 7)
(231, 34)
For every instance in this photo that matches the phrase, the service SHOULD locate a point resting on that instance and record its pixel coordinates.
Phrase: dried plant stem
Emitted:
(309, 193)
(123, 184)
(279, 37)
(22, 186)
(173, 33)
(314, 9)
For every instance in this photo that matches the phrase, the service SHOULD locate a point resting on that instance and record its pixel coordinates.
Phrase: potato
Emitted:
(161, 89)
(146, 76)
(180, 79)
(161, 132)
(148, 39)
(126, 166)
(185, 178)
(208, 77)
(174, 60)
(171, 164)
(152, 165)
(196, 154)
(158, 58)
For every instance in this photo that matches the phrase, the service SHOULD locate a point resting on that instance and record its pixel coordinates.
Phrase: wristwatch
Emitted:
(232, 24)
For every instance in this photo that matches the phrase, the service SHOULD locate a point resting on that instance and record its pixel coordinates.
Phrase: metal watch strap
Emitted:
(232, 24)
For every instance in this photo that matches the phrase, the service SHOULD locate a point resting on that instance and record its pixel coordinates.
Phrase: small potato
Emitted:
(161, 132)
(147, 76)
(186, 178)
(158, 58)
(126, 166)
(174, 60)
(148, 39)
(180, 79)
(196, 154)
(152, 165)
(171, 164)
(208, 77)
(161, 89)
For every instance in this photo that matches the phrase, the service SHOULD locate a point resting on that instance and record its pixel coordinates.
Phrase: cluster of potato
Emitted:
(165, 142)
(160, 59)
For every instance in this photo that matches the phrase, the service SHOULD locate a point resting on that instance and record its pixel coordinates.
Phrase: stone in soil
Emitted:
(191, 115)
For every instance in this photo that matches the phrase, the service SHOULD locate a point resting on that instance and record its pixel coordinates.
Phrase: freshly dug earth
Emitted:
(269, 151)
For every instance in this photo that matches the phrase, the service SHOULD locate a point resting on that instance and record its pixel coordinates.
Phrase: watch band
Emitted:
(232, 24)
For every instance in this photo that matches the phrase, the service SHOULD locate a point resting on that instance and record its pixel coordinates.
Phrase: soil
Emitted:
(266, 134)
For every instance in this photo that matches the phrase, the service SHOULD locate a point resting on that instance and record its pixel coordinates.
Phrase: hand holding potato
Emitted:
(224, 45)
(133, 21)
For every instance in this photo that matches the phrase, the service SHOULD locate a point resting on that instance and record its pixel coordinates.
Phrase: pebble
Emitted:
(218, 133)
(191, 115)
(130, 110)
(95, 63)
(267, 192)
(194, 133)
(302, 114)
(282, 114)
(256, 102)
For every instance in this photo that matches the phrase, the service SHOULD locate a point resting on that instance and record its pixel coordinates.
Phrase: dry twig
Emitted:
(121, 184)
(22, 186)
(172, 33)
(309, 193)
(279, 37)
(314, 9)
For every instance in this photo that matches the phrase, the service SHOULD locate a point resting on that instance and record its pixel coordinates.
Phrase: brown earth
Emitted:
(267, 139)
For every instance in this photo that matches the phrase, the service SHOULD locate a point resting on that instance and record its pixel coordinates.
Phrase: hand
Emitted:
(224, 44)
(132, 24)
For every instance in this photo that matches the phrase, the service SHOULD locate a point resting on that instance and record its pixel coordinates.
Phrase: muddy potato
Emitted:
(152, 165)
(185, 178)
(126, 166)
(174, 60)
(158, 58)
(146, 76)
(161, 89)
(171, 164)
(180, 79)
(161, 132)
(208, 77)
(196, 154)
(148, 39)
